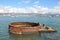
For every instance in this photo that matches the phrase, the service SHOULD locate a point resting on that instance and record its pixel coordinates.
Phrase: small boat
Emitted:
(28, 27)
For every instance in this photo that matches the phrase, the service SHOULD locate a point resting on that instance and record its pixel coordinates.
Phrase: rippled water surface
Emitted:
(49, 21)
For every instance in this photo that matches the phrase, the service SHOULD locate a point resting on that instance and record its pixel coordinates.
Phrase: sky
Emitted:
(30, 6)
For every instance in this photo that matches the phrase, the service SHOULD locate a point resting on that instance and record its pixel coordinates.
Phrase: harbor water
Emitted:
(53, 22)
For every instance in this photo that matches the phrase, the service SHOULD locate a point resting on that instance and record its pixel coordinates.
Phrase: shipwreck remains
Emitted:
(28, 27)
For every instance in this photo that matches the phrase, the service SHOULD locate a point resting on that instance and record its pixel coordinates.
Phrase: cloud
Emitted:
(18, 2)
(56, 9)
(58, 3)
(36, 3)
(35, 9)
(24, 1)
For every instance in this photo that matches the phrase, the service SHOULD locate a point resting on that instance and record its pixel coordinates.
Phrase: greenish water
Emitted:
(49, 21)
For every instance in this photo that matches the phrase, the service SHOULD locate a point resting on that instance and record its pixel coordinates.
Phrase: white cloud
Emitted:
(26, 1)
(36, 2)
(23, 2)
(41, 9)
(18, 2)
(56, 9)
(58, 3)
(35, 9)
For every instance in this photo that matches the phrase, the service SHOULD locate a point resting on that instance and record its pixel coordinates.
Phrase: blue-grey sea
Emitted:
(53, 22)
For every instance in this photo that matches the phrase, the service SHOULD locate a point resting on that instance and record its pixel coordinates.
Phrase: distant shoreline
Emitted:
(27, 14)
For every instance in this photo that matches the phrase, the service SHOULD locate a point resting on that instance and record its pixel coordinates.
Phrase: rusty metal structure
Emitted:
(27, 27)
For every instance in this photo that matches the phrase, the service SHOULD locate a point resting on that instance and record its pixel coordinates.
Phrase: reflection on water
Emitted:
(34, 36)
(47, 36)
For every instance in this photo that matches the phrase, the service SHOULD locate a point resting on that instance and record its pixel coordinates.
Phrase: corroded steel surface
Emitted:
(26, 27)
